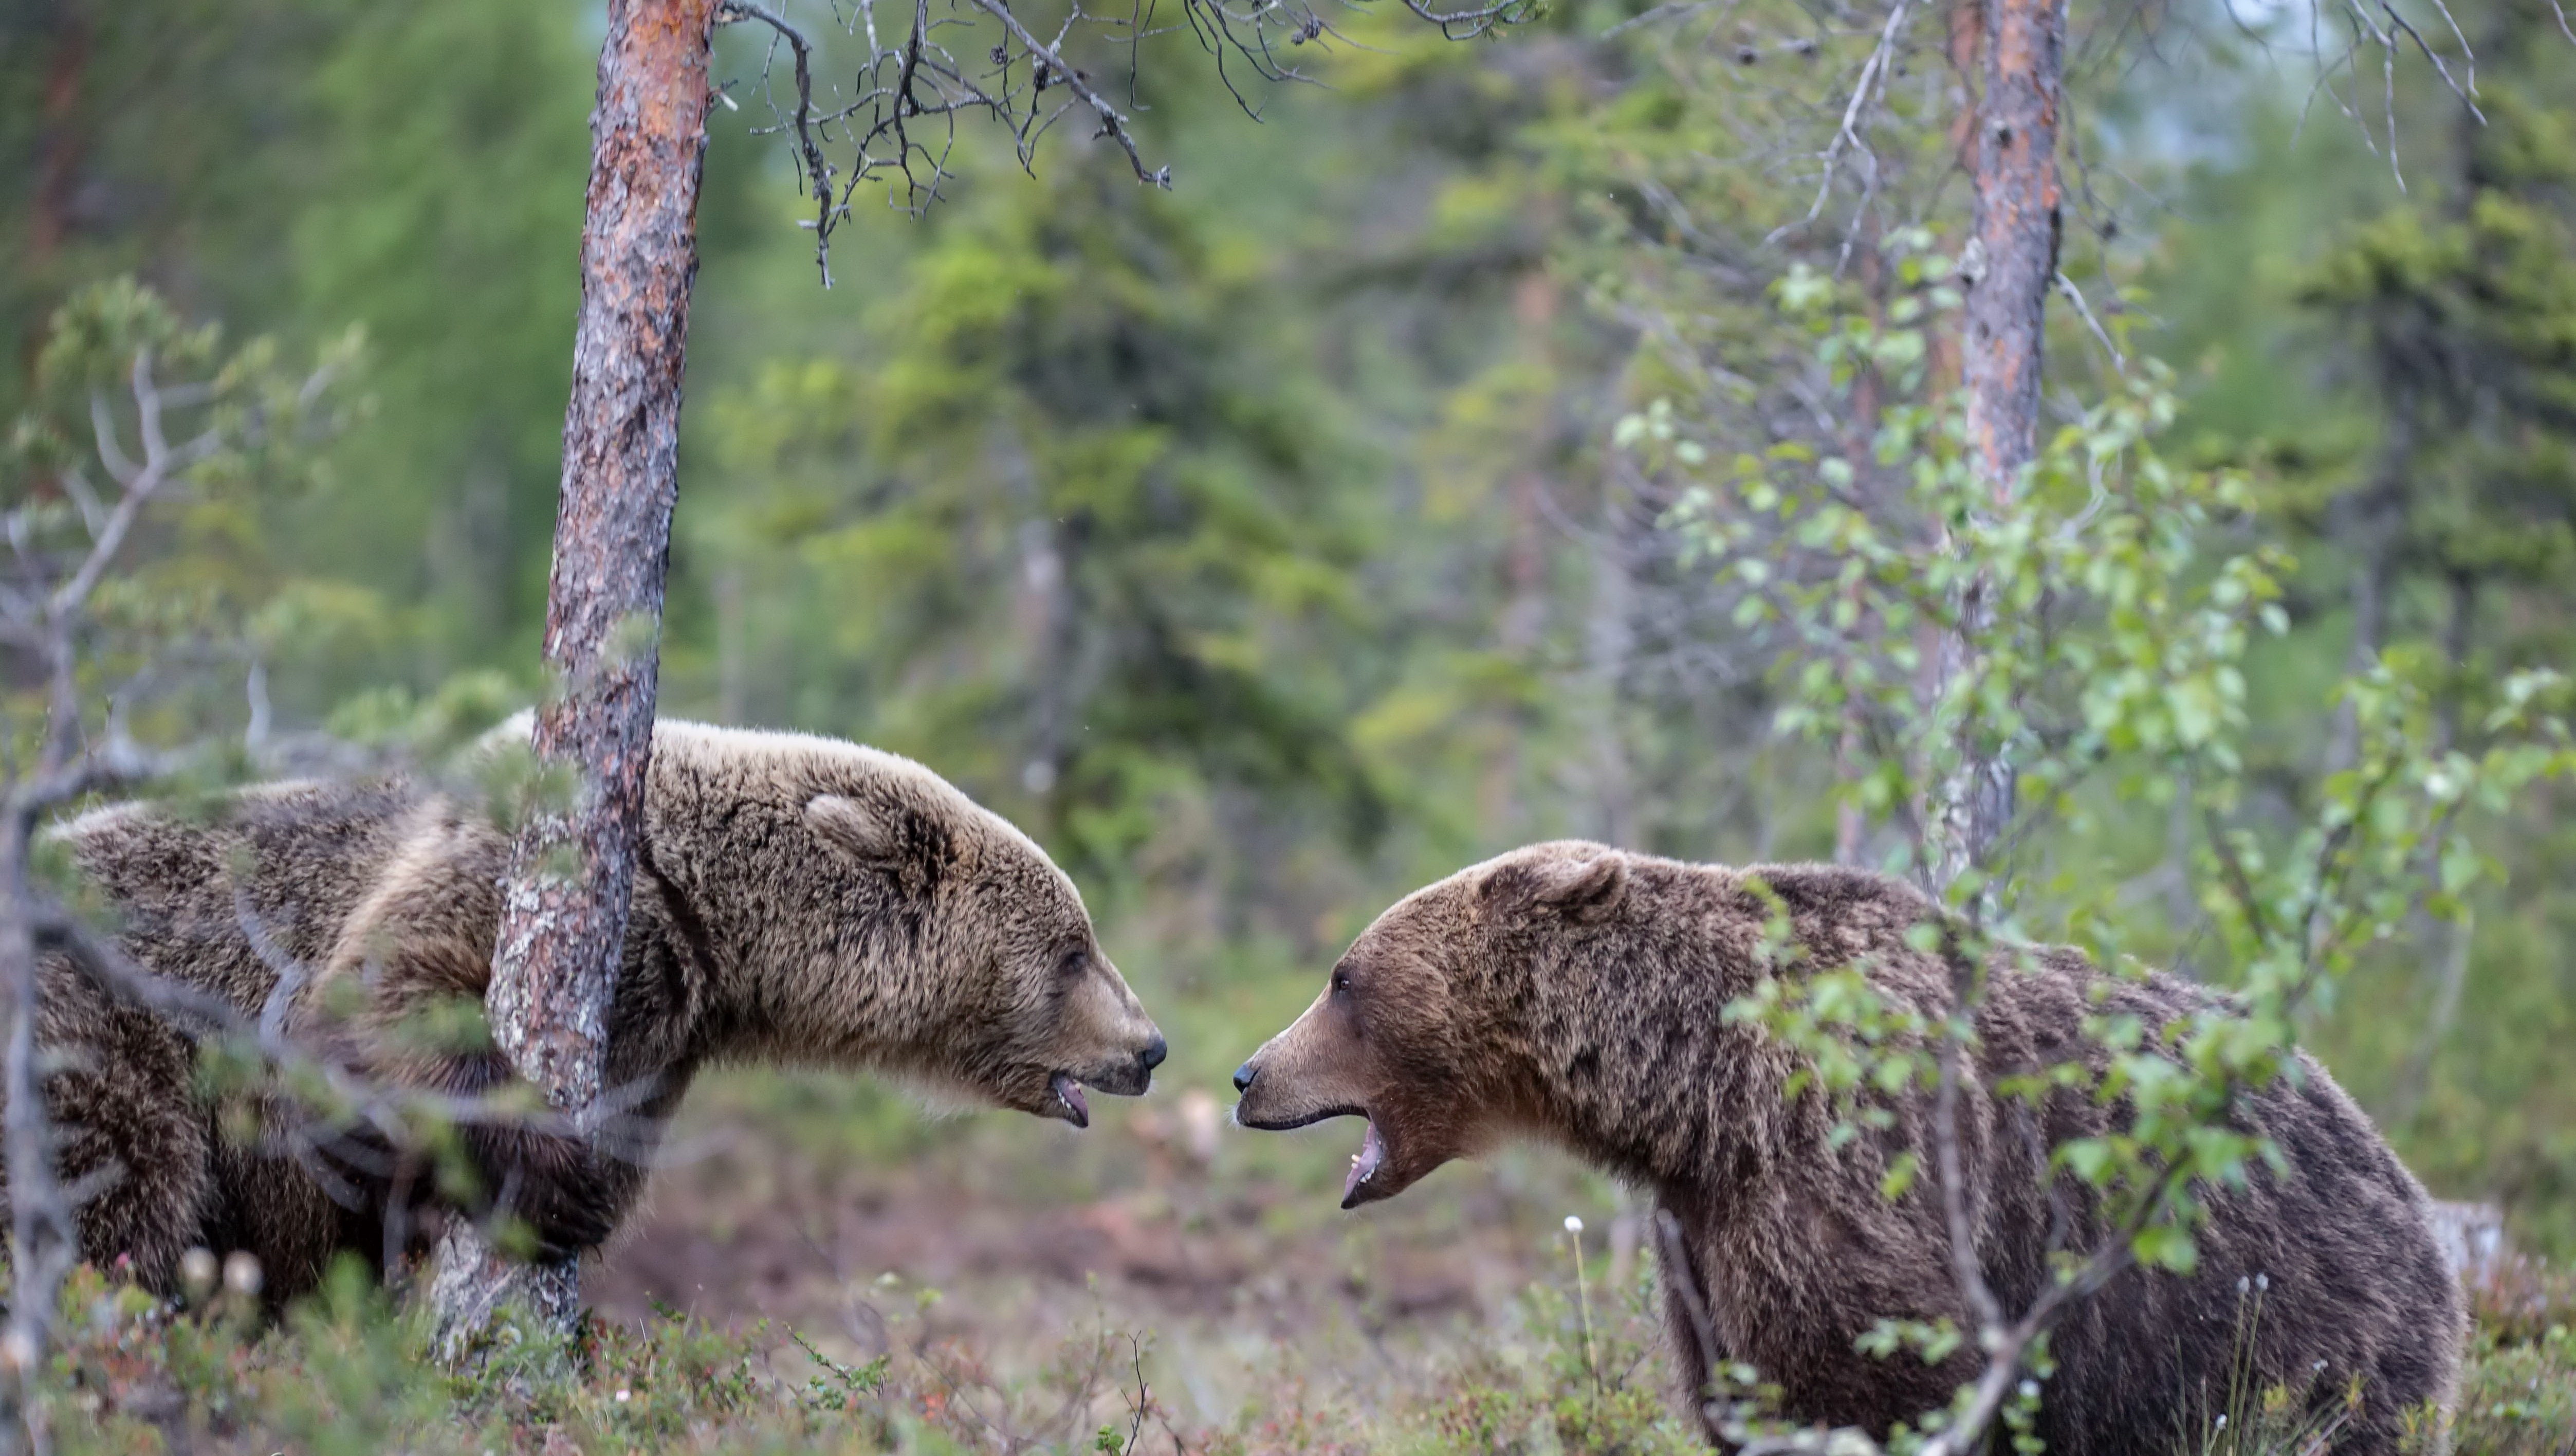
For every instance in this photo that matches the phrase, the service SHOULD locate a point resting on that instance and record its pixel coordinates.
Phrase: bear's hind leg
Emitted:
(128, 1134)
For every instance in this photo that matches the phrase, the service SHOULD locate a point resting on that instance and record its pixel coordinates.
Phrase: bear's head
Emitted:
(889, 922)
(1419, 1031)
(1019, 1005)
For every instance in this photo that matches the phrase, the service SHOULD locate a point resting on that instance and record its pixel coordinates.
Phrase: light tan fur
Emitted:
(798, 900)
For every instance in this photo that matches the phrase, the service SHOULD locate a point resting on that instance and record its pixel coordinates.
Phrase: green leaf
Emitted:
(2162, 1246)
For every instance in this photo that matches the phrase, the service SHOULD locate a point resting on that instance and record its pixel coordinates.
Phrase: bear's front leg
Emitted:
(569, 1193)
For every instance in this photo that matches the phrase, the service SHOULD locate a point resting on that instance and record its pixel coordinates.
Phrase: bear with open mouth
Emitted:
(798, 901)
(1575, 994)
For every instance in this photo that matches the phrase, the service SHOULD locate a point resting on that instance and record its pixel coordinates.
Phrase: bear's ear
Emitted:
(869, 838)
(1581, 890)
(1587, 889)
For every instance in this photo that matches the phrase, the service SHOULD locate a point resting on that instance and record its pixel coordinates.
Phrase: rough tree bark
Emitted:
(2009, 264)
(564, 911)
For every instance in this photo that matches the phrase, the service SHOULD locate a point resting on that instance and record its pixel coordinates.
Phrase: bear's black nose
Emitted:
(1154, 1052)
(1243, 1076)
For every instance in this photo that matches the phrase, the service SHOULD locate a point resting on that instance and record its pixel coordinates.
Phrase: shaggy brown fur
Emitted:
(1575, 994)
(798, 900)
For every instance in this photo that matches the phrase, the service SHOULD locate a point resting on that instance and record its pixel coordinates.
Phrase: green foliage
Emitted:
(444, 214)
(137, 481)
(2517, 1398)
(2108, 665)
(344, 1372)
(1103, 541)
(1575, 1387)
(1273, 544)
(2396, 364)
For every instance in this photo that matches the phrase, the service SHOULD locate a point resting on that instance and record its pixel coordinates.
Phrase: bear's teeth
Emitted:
(1076, 1106)
(1364, 1163)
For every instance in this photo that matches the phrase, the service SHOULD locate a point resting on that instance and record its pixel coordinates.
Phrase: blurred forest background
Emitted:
(1270, 545)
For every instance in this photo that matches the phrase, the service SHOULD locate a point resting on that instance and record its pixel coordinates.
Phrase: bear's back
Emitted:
(285, 863)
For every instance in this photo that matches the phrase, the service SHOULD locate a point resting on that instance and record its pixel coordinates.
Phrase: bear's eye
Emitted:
(1075, 962)
(1341, 983)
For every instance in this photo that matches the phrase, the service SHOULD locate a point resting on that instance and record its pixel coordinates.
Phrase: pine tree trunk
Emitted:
(2016, 229)
(2010, 264)
(564, 909)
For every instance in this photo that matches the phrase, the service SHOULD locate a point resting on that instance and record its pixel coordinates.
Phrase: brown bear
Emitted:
(1577, 995)
(797, 901)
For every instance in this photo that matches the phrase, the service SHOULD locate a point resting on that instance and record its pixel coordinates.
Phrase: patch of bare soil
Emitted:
(1030, 1236)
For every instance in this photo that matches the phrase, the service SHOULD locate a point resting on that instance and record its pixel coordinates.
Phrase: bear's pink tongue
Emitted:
(1069, 1092)
(1364, 1162)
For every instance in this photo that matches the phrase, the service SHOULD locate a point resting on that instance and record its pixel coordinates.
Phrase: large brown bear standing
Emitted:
(798, 900)
(1575, 994)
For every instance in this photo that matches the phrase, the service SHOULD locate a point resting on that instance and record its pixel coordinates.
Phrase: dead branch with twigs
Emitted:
(48, 592)
(895, 119)
(361, 1138)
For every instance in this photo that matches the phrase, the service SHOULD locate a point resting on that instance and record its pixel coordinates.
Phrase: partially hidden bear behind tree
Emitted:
(797, 901)
(1577, 995)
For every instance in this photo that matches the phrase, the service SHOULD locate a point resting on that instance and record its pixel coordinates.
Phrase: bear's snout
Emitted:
(1243, 1076)
(1153, 1054)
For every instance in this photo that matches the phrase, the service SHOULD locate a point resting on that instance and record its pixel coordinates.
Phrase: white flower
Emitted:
(1573, 1224)
(198, 1270)
(623, 1396)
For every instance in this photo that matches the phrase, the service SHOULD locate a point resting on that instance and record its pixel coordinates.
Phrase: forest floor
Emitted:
(823, 1268)
(833, 1209)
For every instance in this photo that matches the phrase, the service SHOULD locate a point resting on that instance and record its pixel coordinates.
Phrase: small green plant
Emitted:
(2516, 1399)
(346, 1371)
(1582, 1385)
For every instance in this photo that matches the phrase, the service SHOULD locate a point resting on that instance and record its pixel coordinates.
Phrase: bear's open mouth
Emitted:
(1071, 1105)
(1364, 1163)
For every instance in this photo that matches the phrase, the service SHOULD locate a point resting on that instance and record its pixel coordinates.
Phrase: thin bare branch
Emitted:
(1470, 23)
(93, 512)
(1873, 75)
(2075, 296)
(818, 172)
(1670, 10)
(111, 451)
(2467, 97)
(141, 482)
(1952, 1170)
(1054, 70)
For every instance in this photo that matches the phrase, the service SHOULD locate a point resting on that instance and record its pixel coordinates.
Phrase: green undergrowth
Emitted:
(1573, 1371)
(1585, 1379)
(346, 1371)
